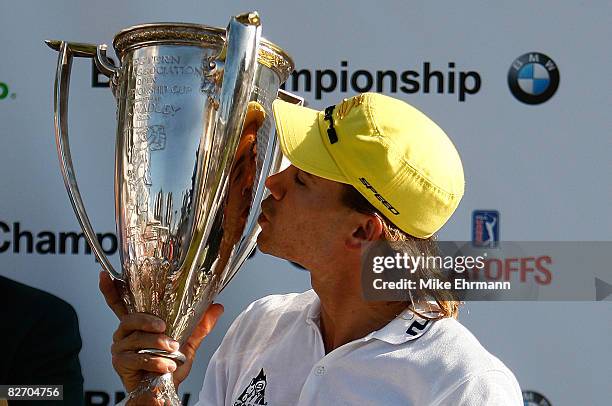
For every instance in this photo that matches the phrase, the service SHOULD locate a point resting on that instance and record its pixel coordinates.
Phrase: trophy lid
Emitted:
(270, 54)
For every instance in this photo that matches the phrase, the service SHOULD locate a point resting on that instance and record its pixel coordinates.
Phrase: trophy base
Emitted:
(155, 390)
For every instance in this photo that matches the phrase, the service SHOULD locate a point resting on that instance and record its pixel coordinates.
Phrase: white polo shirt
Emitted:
(273, 354)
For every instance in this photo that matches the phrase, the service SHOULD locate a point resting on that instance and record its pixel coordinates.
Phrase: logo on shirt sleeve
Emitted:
(254, 393)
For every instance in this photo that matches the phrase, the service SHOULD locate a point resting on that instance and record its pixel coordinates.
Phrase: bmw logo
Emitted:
(531, 398)
(533, 78)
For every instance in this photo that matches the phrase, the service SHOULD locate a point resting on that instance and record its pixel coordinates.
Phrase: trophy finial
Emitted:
(251, 18)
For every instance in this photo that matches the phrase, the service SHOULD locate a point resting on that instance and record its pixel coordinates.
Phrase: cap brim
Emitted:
(300, 140)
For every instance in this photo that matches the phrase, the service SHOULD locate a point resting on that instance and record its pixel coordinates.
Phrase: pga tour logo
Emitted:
(485, 228)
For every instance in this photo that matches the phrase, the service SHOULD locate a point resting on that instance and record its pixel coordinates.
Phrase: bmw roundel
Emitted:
(531, 398)
(533, 78)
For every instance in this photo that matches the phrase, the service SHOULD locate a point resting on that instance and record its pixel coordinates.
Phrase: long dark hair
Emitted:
(401, 242)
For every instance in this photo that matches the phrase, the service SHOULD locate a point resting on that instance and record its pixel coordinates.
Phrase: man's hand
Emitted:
(141, 330)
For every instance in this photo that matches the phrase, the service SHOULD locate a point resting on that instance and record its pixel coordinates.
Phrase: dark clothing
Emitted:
(40, 342)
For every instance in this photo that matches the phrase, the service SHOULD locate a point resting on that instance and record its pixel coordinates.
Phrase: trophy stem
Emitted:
(159, 387)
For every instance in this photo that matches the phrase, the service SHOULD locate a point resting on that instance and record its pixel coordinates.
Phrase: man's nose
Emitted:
(274, 183)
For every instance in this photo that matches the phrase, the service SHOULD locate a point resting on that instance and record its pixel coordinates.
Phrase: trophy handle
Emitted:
(240, 62)
(238, 59)
(67, 50)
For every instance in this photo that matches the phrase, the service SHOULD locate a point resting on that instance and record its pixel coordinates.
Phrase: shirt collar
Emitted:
(313, 310)
(407, 326)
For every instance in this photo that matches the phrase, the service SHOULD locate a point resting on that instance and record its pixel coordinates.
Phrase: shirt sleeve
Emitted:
(216, 381)
(493, 387)
(214, 389)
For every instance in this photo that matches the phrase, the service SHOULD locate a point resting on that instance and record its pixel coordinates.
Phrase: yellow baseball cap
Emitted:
(393, 154)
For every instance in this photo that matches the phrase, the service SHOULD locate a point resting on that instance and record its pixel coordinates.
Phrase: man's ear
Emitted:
(369, 227)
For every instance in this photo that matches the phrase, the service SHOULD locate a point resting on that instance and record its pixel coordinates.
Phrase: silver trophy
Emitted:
(194, 147)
